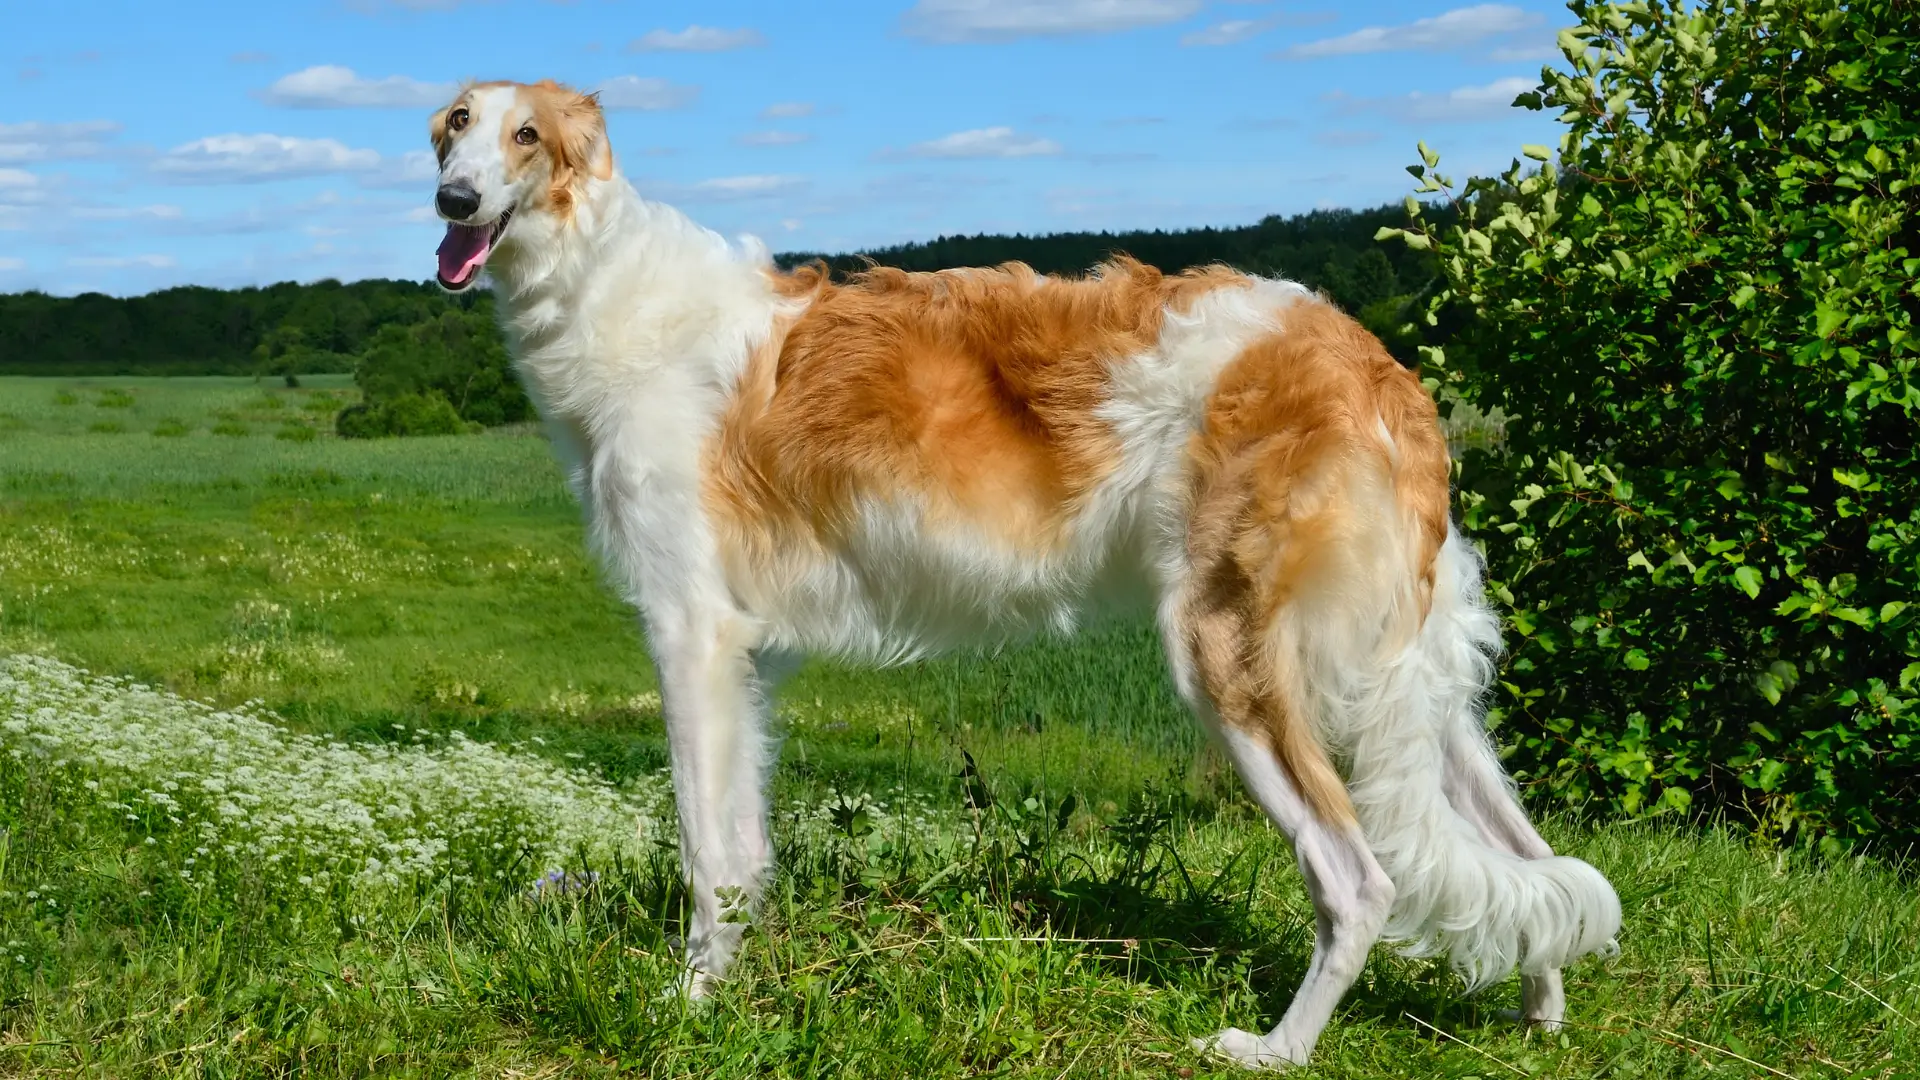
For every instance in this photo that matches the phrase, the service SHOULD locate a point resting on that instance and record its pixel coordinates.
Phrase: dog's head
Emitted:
(507, 151)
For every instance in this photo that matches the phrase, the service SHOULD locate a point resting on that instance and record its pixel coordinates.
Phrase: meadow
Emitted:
(335, 757)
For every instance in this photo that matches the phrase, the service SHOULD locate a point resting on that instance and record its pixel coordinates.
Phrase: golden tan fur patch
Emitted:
(973, 390)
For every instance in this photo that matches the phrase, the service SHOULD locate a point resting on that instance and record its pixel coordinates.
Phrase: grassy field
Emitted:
(367, 780)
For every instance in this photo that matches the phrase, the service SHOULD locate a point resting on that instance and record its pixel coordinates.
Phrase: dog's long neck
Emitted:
(627, 299)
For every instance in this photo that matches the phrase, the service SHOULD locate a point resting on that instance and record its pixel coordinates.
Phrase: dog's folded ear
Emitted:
(602, 158)
(576, 134)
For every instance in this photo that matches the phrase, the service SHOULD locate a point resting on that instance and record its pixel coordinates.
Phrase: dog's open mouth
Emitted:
(465, 251)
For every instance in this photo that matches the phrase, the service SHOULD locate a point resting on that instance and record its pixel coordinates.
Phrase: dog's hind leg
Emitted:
(1215, 671)
(1351, 897)
(717, 744)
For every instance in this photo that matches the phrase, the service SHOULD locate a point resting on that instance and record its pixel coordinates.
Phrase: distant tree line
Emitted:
(192, 330)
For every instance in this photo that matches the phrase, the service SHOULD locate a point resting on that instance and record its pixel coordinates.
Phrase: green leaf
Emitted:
(1856, 479)
(1536, 151)
(1770, 774)
(1387, 232)
(1428, 156)
(1748, 579)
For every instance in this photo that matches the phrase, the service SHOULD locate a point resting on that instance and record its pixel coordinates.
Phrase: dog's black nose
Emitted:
(458, 201)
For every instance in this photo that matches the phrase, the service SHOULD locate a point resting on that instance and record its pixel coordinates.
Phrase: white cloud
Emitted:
(1544, 52)
(787, 110)
(1234, 31)
(35, 141)
(249, 158)
(645, 94)
(14, 179)
(696, 39)
(952, 21)
(154, 212)
(993, 142)
(10, 263)
(1446, 32)
(730, 189)
(774, 138)
(1231, 32)
(330, 86)
(122, 262)
(1468, 103)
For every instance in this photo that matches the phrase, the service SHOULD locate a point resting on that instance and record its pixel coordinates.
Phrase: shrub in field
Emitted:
(1706, 525)
(405, 414)
(457, 356)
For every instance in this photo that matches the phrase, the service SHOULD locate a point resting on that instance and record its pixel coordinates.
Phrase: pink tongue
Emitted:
(462, 252)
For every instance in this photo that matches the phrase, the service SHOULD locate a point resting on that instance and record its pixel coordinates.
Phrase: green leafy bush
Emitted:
(1706, 522)
(457, 356)
(405, 414)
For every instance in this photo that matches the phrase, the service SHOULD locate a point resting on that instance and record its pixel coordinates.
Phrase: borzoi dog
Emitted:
(774, 463)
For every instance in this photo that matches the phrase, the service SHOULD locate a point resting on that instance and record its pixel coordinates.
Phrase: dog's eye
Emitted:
(526, 136)
(457, 120)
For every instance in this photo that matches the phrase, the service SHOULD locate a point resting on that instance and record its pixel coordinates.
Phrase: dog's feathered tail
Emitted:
(1387, 648)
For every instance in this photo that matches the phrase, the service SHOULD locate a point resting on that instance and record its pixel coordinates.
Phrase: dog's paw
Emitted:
(1548, 1024)
(694, 989)
(1249, 1051)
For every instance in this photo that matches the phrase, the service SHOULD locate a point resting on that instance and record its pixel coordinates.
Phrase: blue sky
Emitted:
(243, 143)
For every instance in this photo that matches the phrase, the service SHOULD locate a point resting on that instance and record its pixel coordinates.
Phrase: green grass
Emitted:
(1118, 896)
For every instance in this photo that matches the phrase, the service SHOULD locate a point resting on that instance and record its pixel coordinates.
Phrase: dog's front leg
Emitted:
(715, 737)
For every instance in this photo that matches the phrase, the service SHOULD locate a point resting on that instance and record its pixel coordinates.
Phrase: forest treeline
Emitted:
(331, 326)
